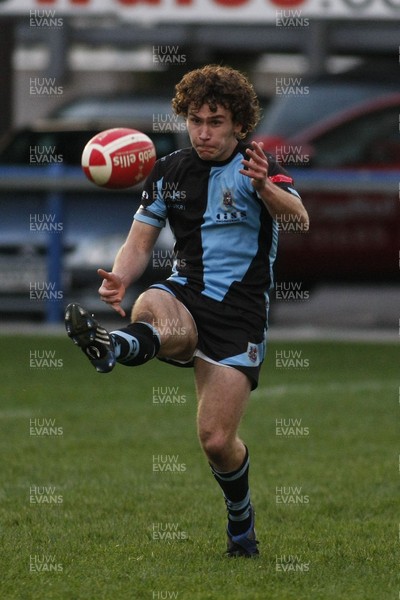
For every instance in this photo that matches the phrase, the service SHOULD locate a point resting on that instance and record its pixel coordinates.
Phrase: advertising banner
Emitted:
(282, 12)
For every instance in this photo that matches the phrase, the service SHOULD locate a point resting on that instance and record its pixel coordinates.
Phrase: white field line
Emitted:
(16, 413)
(373, 385)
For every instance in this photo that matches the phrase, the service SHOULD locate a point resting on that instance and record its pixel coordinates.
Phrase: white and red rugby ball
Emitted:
(118, 158)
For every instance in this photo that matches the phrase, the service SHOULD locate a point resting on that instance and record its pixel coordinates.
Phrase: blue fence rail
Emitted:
(63, 179)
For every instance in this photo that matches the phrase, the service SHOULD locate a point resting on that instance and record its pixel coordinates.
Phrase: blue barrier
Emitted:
(55, 251)
(346, 180)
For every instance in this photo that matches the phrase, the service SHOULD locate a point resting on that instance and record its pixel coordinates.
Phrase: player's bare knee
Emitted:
(173, 322)
(149, 309)
(146, 316)
(179, 345)
(215, 444)
(143, 309)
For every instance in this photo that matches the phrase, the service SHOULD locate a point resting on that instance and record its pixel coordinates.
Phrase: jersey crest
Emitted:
(228, 211)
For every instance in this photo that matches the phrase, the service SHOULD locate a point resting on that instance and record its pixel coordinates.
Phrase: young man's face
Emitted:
(212, 134)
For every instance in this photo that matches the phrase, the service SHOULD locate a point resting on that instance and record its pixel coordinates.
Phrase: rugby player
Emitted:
(223, 199)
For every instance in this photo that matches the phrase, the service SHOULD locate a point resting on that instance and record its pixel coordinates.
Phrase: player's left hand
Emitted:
(112, 290)
(256, 166)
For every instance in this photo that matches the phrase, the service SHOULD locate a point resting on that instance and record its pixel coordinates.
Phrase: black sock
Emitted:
(235, 486)
(135, 344)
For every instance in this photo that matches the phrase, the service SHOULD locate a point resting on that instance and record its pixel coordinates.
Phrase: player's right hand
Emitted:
(112, 290)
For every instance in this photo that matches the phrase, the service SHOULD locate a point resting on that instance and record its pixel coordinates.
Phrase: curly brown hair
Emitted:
(214, 84)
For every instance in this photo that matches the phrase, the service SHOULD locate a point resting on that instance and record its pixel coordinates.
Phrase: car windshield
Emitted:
(370, 140)
(132, 109)
(289, 114)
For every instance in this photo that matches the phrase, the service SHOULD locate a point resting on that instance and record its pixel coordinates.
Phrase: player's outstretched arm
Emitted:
(278, 201)
(129, 264)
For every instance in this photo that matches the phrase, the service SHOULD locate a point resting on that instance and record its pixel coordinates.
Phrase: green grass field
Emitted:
(87, 513)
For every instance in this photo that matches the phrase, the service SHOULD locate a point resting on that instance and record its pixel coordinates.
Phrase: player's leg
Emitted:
(161, 326)
(223, 393)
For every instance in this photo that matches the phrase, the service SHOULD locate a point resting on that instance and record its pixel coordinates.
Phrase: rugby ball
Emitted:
(118, 158)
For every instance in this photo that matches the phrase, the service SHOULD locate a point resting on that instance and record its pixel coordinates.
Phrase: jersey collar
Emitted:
(218, 163)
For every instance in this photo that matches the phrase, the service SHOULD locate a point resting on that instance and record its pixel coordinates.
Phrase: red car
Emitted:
(347, 170)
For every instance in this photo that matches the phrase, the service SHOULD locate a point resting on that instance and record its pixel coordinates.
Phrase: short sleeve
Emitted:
(153, 210)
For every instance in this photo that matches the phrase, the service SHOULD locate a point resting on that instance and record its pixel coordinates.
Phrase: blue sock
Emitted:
(235, 487)
(136, 344)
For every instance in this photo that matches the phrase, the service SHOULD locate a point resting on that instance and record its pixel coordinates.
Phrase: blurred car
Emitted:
(349, 164)
(300, 103)
(94, 222)
(67, 129)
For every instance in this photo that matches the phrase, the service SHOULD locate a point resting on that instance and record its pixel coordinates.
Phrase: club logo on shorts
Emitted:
(252, 352)
(229, 212)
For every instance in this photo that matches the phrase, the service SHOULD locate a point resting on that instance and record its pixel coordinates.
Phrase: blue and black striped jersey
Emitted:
(226, 240)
